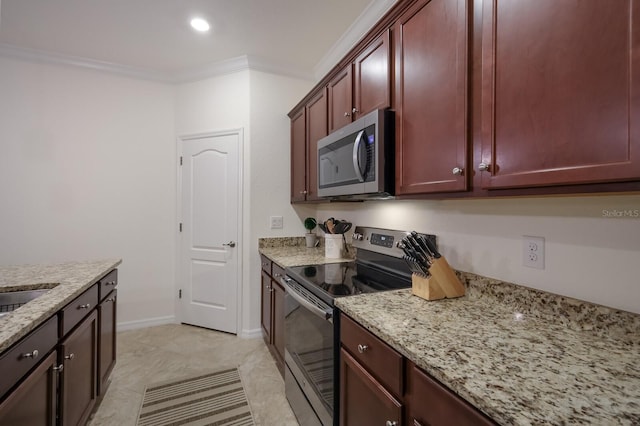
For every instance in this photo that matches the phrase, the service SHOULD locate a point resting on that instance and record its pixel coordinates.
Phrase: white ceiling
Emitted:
(303, 37)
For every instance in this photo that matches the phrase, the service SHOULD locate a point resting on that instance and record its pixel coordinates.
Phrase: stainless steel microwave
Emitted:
(357, 161)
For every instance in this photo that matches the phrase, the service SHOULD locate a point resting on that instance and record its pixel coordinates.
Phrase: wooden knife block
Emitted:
(443, 282)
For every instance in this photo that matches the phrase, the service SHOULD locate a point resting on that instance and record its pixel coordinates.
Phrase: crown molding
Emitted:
(363, 23)
(38, 56)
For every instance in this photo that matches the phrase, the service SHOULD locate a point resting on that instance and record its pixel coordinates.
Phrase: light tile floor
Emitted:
(173, 351)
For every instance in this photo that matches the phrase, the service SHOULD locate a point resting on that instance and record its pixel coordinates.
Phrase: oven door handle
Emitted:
(326, 315)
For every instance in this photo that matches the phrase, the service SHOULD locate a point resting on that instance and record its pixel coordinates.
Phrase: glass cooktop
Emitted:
(332, 280)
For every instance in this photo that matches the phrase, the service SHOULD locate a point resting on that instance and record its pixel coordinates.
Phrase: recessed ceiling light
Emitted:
(200, 24)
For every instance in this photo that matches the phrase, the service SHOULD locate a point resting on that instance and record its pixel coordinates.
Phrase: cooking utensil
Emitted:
(342, 227)
(323, 228)
(330, 225)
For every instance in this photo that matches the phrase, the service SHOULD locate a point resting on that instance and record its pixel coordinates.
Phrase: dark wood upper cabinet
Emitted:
(431, 77)
(361, 86)
(340, 90)
(372, 79)
(560, 92)
(316, 129)
(298, 157)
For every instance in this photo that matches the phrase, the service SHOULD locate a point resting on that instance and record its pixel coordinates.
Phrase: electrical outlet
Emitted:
(276, 222)
(533, 252)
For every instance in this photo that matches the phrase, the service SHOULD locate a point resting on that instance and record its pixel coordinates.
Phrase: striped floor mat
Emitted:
(210, 399)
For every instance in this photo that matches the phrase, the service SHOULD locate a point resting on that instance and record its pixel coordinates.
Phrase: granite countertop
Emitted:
(65, 281)
(288, 252)
(521, 356)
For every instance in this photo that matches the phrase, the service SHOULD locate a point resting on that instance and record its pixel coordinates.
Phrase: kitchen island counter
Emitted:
(65, 281)
(519, 355)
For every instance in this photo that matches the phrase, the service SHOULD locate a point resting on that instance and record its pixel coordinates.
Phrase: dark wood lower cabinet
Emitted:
(272, 310)
(33, 402)
(278, 319)
(265, 311)
(79, 357)
(107, 340)
(363, 400)
(431, 403)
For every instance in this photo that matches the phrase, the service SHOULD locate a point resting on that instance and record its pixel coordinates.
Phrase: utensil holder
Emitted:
(443, 282)
(333, 246)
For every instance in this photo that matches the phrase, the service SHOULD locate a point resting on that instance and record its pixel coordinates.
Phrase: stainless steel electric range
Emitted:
(312, 340)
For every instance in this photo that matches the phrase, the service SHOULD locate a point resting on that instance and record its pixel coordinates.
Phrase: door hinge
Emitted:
(181, 160)
(180, 294)
(180, 226)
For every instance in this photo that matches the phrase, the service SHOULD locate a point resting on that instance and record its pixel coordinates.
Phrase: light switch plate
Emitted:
(276, 222)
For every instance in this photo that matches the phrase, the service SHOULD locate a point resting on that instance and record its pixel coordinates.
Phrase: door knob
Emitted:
(230, 244)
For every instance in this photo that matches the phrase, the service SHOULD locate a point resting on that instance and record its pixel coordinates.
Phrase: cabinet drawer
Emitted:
(23, 356)
(431, 403)
(107, 284)
(265, 264)
(382, 361)
(78, 309)
(278, 272)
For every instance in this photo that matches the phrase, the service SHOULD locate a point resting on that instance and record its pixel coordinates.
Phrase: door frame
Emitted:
(240, 249)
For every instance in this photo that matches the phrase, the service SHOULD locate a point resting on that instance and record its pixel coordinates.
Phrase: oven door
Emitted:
(309, 355)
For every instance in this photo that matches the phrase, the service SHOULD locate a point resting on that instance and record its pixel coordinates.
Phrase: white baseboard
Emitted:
(149, 322)
(251, 334)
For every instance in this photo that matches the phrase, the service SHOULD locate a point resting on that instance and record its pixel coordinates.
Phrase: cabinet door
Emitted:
(432, 404)
(78, 390)
(33, 402)
(431, 54)
(106, 340)
(298, 157)
(560, 92)
(278, 319)
(372, 77)
(265, 311)
(316, 129)
(340, 90)
(364, 401)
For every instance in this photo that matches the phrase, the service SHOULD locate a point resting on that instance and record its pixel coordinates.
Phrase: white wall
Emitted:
(85, 174)
(590, 255)
(272, 97)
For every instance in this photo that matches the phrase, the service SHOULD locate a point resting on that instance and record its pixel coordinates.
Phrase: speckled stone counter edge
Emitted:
(66, 281)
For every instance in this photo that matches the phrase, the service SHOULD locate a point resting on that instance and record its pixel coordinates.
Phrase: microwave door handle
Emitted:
(356, 159)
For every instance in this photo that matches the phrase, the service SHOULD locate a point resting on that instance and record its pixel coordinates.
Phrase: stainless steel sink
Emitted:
(12, 300)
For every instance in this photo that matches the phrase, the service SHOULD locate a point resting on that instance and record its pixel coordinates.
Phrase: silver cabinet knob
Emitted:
(111, 299)
(277, 275)
(391, 423)
(59, 368)
(457, 171)
(230, 244)
(85, 306)
(32, 354)
(355, 110)
(483, 167)
(265, 263)
(363, 348)
(70, 356)
(303, 192)
(110, 283)
(346, 114)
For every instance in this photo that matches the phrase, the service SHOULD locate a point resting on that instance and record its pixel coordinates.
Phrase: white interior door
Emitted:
(210, 220)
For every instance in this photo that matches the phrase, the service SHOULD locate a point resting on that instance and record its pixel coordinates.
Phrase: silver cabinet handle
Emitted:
(457, 171)
(363, 348)
(265, 264)
(391, 423)
(303, 192)
(355, 110)
(230, 244)
(70, 356)
(483, 167)
(32, 354)
(110, 283)
(277, 275)
(111, 299)
(59, 368)
(85, 306)
(346, 114)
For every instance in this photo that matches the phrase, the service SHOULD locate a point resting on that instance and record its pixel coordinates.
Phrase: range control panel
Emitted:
(385, 241)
